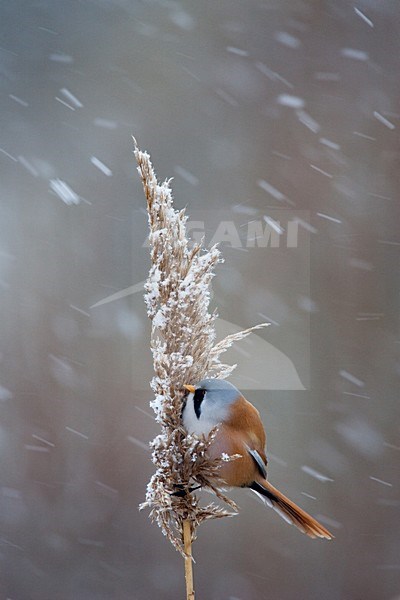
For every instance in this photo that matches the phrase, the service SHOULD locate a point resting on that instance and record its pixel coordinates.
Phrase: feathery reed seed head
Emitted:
(184, 351)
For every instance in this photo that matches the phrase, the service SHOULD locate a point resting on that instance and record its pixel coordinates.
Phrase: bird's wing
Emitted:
(258, 460)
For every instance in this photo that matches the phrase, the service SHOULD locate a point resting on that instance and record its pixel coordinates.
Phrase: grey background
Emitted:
(198, 84)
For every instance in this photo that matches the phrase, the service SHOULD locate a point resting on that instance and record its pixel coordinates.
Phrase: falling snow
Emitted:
(316, 474)
(101, 166)
(186, 175)
(287, 39)
(65, 59)
(270, 189)
(328, 217)
(363, 17)
(308, 121)
(73, 100)
(354, 54)
(321, 171)
(349, 377)
(290, 101)
(19, 101)
(383, 120)
(64, 192)
(273, 224)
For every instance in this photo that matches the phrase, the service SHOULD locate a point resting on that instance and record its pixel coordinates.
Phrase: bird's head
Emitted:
(210, 400)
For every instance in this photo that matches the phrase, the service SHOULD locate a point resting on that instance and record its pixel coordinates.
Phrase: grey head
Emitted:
(208, 405)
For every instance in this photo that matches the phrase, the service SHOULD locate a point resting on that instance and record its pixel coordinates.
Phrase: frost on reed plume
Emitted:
(184, 351)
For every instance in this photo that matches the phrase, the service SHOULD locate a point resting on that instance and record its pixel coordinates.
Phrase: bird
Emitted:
(218, 403)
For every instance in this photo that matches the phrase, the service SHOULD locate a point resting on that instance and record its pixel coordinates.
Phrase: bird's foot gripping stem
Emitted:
(182, 490)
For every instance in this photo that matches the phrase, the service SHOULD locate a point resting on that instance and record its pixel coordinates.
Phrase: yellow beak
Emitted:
(190, 388)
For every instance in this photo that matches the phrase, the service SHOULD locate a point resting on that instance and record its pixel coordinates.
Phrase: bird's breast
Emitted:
(201, 419)
(241, 471)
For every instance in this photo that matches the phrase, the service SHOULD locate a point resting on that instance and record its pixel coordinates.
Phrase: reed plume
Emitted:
(184, 350)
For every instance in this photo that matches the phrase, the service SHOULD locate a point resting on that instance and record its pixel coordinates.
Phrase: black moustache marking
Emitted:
(197, 400)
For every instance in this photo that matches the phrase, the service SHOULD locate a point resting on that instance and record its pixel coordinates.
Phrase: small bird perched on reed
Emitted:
(216, 402)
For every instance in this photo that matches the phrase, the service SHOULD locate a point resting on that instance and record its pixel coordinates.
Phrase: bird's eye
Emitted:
(197, 400)
(199, 395)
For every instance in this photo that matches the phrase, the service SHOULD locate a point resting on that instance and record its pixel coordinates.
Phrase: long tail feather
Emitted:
(289, 511)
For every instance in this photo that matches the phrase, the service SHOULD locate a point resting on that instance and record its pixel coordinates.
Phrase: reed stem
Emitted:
(187, 542)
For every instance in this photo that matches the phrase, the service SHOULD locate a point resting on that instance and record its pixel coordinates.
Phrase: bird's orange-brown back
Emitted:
(243, 430)
(245, 418)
